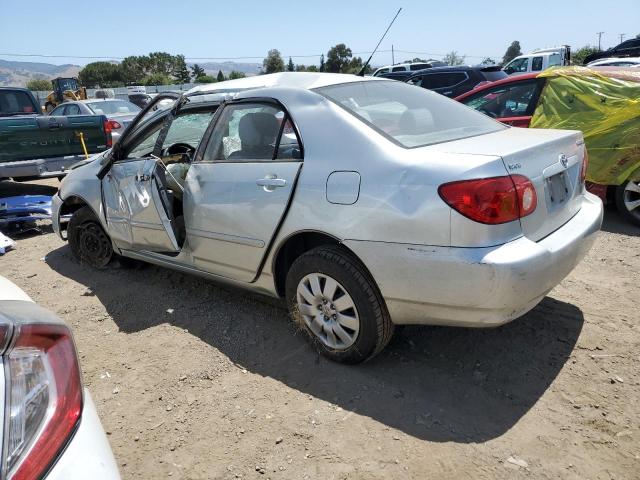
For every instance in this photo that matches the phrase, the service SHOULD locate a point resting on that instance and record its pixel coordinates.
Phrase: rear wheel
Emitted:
(335, 301)
(89, 242)
(628, 200)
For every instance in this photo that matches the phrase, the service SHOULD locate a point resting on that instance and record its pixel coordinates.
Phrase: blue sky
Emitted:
(198, 28)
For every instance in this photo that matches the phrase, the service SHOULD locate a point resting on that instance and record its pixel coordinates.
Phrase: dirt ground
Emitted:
(195, 381)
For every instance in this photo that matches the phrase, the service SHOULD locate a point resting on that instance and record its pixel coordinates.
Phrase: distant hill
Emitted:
(212, 68)
(17, 74)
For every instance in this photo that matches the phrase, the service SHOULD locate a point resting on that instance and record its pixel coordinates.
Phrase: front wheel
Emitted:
(335, 301)
(628, 200)
(89, 242)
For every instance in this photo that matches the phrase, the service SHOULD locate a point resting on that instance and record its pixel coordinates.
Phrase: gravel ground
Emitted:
(195, 381)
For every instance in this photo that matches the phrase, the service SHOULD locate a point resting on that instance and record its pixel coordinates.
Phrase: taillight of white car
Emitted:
(44, 397)
(492, 200)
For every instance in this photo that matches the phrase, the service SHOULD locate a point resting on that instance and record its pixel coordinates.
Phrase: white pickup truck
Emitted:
(539, 60)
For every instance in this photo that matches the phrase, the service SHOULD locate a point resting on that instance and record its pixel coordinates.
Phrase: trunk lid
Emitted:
(551, 159)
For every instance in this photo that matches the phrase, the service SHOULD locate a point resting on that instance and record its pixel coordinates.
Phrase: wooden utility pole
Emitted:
(600, 40)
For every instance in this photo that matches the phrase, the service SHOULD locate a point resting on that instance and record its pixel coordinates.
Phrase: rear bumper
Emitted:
(40, 167)
(477, 287)
(88, 454)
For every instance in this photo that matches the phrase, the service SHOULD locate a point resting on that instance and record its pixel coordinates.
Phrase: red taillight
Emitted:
(44, 396)
(108, 127)
(491, 200)
(585, 164)
(114, 125)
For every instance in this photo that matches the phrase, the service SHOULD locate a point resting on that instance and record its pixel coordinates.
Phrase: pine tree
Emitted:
(321, 63)
(290, 66)
(220, 76)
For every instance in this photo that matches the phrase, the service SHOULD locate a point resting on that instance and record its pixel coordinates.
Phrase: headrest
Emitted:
(258, 129)
(416, 121)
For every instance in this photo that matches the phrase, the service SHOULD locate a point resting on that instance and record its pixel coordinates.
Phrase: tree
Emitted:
(162, 62)
(273, 63)
(38, 85)
(101, 74)
(416, 60)
(290, 66)
(512, 52)
(452, 58)
(338, 59)
(310, 68)
(157, 79)
(322, 67)
(197, 71)
(488, 61)
(577, 57)
(220, 77)
(205, 79)
(180, 71)
(135, 68)
(235, 74)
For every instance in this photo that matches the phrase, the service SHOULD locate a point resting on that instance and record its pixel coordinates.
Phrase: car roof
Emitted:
(512, 79)
(302, 80)
(15, 88)
(457, 68)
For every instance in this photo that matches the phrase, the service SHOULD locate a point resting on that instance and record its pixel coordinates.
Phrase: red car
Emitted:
(514, 100)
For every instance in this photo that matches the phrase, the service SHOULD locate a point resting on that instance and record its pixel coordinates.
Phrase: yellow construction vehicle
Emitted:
(64, 89)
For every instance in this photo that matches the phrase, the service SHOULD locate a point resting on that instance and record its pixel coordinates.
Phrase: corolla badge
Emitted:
(564, 160)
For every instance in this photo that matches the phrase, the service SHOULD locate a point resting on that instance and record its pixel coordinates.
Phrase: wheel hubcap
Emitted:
(328, 310)
(631, 198)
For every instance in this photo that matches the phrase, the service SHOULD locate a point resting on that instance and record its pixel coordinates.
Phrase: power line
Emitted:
(260, 57)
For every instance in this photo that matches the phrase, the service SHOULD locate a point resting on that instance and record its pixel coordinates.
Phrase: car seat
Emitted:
(257, 132)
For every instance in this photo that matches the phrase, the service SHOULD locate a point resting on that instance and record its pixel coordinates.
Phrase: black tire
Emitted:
(375, 326)
(89, 243)
(621, 194)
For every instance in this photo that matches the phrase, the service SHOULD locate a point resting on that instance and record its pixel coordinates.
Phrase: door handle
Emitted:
(271, 182)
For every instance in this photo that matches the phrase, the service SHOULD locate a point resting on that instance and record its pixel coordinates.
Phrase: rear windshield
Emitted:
(113, 107)
(408, 115)
(12, 102)
(492, 76)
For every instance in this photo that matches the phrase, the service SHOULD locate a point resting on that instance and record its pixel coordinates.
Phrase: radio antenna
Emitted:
(364, 67)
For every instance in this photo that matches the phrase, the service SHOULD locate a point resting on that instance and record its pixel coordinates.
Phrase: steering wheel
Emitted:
(488, 113)
(179, 148)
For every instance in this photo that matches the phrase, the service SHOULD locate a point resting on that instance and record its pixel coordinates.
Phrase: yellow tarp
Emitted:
(605, 106)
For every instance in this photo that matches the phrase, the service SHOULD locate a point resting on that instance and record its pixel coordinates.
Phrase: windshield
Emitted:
(408, 115)
(12, 102)
(113, 107)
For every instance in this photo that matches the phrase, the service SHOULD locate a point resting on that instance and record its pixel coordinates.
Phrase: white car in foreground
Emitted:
(50, 427)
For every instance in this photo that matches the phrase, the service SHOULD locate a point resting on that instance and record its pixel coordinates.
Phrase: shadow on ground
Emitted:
(435, 383)
(614, 222)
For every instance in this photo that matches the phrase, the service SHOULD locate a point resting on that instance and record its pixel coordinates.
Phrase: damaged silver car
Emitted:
(366, 203)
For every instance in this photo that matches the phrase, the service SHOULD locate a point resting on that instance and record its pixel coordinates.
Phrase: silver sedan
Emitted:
(119, 113)
(364, 203)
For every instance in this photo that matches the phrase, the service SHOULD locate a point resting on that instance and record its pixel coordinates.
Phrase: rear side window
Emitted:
(443, 80)
(536, 64)
(409, 116)
(253, 132)
(554, 59)
(419, 66)
(398, 69)
(72, 110)
(16, 102)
